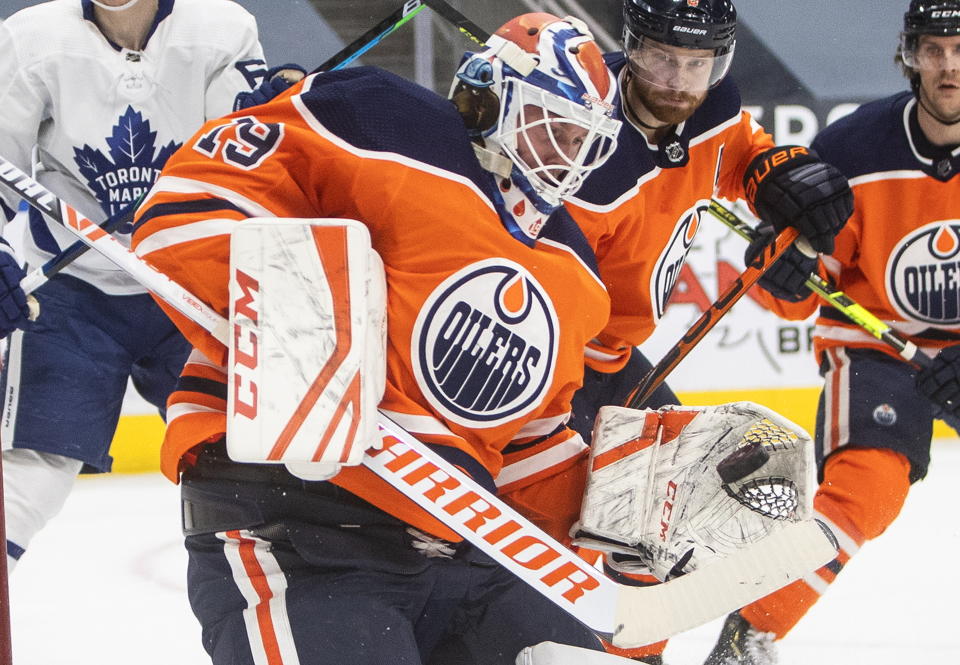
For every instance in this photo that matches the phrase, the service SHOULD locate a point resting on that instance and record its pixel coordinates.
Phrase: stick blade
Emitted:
(649, 614)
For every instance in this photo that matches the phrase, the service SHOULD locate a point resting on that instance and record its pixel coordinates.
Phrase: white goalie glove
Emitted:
(668, 490)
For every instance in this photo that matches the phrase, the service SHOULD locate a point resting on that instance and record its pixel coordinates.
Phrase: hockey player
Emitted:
(348, 570)
(897, 257)
(106, 90)
(685, 139)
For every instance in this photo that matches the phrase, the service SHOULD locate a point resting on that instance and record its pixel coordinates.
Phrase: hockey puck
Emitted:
(742, 462)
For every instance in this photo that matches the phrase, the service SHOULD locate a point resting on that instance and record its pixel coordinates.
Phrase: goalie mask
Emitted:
(680, 45)
(540, 99)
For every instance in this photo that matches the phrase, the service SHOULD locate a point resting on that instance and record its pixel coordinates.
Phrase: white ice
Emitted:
(104, 584)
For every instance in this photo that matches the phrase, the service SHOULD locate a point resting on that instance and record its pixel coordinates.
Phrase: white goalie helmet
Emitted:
(541, 95)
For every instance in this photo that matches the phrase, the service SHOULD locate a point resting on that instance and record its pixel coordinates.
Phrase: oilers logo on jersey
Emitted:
(485, 343)
(923, 274)
(671, 260)
(133, 163)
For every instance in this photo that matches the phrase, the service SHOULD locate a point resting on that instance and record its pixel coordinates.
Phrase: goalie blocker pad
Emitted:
(668, 490)
(307, 364)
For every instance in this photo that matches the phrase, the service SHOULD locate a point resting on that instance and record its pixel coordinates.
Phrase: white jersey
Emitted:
(104, 118)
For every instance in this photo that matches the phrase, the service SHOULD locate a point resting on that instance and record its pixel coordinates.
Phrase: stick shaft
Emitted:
(41, 275)
(371, 37)
(838, 299)
(711, 317)
(48, 204)
(459, 21)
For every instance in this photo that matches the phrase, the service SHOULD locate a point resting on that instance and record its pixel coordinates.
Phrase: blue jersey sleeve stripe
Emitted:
(188, 207)
(195, 384)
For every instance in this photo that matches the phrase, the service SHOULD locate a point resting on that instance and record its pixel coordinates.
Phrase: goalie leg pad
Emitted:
(695, 483)
(307, 355)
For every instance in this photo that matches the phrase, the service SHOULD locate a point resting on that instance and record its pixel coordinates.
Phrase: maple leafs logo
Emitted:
(117, 180)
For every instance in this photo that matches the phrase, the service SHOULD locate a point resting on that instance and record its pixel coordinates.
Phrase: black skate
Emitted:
(742, 644)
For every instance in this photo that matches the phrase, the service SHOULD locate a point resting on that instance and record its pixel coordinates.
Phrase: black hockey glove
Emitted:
(276, 80)
(790, 187)
(786, 278)
(14, 312)
(940, 382)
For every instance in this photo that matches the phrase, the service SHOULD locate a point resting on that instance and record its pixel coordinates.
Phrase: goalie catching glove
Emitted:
(670, 489)
(789, 186)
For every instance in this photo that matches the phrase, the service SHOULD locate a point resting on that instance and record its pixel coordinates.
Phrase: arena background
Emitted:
(799, 65)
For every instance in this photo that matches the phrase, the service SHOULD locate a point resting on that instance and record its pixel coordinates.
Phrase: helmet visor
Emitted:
(675, 67)
(929, 53)
(554, 141)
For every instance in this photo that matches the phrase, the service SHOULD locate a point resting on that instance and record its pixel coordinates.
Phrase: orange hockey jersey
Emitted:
(899, 254)
(486, 328)
(641, 210)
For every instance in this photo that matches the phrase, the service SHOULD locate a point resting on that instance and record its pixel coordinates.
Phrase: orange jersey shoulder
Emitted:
(641, 213)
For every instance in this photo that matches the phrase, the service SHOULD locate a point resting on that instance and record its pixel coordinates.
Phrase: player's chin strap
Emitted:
(115, 8)
(493, 161)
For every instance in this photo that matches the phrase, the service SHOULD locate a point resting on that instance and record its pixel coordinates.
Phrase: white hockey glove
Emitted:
(668, 490)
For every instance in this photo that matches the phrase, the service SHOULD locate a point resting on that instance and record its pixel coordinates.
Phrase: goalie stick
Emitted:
(847, 305)
(627, 615)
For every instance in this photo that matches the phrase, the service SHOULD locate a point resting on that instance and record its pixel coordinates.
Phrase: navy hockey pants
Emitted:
(287, 571)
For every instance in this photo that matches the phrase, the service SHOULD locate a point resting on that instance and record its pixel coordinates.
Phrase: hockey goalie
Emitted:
(671, 489)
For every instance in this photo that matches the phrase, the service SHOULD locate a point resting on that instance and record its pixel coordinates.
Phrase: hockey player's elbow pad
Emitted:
(789, 186)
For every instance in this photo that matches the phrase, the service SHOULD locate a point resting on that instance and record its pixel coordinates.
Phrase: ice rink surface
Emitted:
(104, 585)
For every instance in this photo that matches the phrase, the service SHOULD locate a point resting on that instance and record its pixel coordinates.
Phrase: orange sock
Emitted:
(862, 493)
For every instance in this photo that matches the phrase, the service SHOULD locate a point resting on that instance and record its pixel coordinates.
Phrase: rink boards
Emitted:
(136, 446)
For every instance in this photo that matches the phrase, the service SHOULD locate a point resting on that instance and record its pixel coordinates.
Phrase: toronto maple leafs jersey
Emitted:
(105, 119)
(899, 253)
(642, 208)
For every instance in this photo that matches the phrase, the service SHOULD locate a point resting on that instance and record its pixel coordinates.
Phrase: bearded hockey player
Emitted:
(489, 308)
(897, 257)
(685, 139)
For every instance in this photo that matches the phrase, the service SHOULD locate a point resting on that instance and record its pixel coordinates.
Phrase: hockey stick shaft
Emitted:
(838, 299)
(6, 641)
(47, 203)
(630, 616)
(711, 317)
(371, 37)
(39, 276)
(459, 21)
